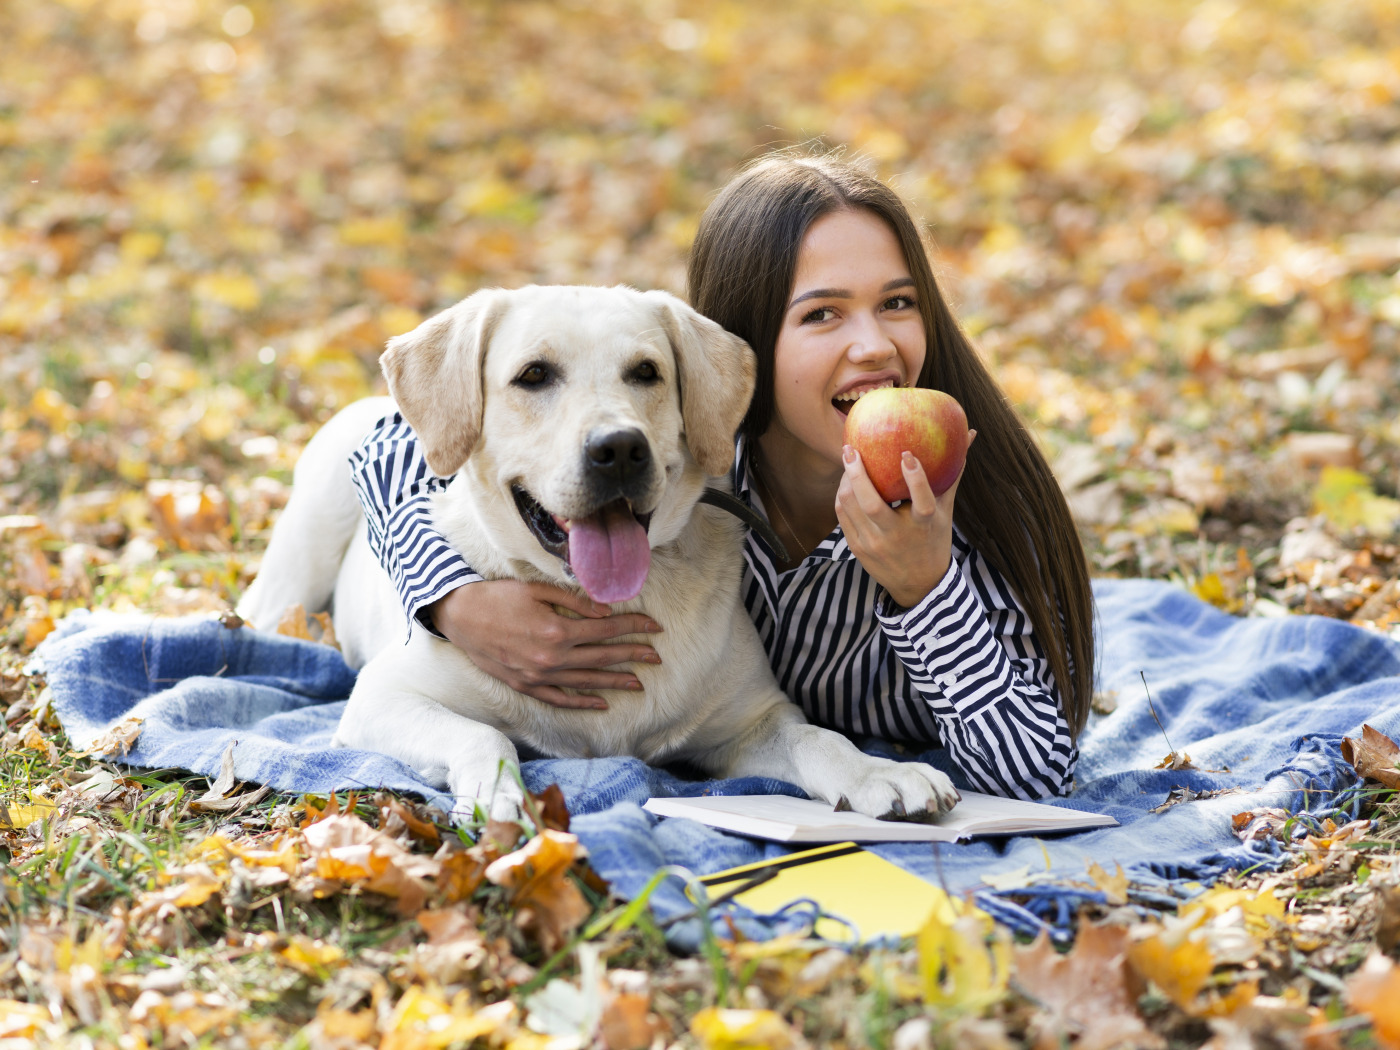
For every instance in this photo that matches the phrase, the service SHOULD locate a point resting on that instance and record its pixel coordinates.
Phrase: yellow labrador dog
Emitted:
(582, 425)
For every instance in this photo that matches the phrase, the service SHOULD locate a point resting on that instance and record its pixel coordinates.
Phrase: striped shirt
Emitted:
(962, 669)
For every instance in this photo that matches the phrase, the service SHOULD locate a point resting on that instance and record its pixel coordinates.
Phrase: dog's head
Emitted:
(595, 413)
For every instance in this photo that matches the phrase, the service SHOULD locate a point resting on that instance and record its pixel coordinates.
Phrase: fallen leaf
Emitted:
(1176, 760)
(1264, 823)
(549, 903)
(1114, 887)
(963, 964)
(312, 957)
(1175, 962)
(1374, 990)
(117, 740)
(720, 1029)
(1374, 756)
(1090, 992)
(424, 1019)
(22, 1020)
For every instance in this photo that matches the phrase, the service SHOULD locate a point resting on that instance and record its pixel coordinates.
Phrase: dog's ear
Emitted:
(435, 377)
(717, 372)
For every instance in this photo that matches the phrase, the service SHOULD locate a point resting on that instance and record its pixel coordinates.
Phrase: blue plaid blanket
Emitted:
(1260, 705)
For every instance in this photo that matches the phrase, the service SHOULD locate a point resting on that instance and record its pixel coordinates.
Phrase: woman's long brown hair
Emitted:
(1009, 506)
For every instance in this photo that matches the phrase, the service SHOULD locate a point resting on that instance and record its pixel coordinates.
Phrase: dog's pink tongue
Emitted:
(609, 554)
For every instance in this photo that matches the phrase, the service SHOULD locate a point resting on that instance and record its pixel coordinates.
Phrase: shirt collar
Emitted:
(832, 548)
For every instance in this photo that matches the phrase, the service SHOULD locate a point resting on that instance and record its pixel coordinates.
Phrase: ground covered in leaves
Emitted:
(1171, 227)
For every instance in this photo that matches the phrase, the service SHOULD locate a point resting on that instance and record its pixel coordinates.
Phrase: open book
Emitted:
(786, 819)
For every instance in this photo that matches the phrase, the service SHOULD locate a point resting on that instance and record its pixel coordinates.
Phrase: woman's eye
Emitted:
(820, 315)
(899, 302)
(533, 375)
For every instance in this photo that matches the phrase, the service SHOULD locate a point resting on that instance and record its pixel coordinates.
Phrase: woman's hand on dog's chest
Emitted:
(542, 640)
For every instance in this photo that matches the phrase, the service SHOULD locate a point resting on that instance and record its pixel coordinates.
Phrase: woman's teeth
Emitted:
(843, 402)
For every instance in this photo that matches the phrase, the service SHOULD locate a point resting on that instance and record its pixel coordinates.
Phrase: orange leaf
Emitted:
(1374, 990)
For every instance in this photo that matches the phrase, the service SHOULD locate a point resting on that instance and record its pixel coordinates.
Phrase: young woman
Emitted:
(962, 620)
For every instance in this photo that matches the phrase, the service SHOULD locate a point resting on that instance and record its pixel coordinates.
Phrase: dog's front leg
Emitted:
(471, 760)
(828, 766)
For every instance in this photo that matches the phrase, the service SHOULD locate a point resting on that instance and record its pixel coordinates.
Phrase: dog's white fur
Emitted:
(712, 701)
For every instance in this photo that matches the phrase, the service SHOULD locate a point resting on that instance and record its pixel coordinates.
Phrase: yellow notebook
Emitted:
(878, 898)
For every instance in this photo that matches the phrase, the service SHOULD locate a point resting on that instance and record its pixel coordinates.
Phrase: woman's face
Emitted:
(851, 326)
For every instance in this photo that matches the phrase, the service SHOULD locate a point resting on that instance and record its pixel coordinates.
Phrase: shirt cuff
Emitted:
(948, 638)
(417, 604)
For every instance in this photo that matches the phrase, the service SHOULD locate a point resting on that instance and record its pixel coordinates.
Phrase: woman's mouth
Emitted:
(843, 401)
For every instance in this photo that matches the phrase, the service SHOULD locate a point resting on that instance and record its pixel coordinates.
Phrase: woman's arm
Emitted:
(395, 489)
(970, 650)
(512, 630)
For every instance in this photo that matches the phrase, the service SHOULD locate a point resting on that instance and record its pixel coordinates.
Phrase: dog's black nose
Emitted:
(618, 454)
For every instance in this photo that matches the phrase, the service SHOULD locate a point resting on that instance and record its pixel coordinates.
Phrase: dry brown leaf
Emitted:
(295, 623)
(395, 816)
(118, 740)
(549, 903)
(628, 1023)
(1264, 823)
(1090, 992)
(344, 848)
(554, 811)
(191, 515)
(1374, 756)
(1176, 760)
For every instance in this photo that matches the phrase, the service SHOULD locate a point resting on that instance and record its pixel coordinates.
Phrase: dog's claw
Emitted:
(897, 808)
(843, 805)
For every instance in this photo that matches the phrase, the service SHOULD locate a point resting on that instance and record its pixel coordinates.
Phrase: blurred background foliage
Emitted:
(1172, 228)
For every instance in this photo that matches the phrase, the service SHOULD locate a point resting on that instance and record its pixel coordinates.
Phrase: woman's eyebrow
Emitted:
(845, 293)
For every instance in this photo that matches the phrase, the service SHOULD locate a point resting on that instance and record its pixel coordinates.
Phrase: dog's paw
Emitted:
(474, 800)
(900, 791)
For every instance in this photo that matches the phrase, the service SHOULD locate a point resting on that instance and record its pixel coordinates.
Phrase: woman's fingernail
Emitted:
(652, 658)
(653, 627)
(907, 461)
(635, 686)
(848, 454)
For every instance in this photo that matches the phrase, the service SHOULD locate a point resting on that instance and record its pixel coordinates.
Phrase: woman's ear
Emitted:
(434, 375)
(717, 372)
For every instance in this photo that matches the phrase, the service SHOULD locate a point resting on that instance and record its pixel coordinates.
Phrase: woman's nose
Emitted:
(870, 341)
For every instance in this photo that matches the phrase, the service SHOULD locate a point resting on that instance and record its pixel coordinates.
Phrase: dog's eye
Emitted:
(535, 374)
(646, 372)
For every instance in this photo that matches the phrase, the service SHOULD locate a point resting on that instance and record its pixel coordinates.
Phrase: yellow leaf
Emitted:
(396, 320)
(958, 967)
(1114, 887)
(141, 246)
(312, 957)
(1178, 966)
(1345, 497)
(1258, 908)
(21, 1020)
(425, 1020)
(387, 230)
(236, 290)
(740, 1030)
(16, 816)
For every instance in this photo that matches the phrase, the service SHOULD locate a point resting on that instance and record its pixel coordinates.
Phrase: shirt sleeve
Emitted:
(395, 487)
(971, 652)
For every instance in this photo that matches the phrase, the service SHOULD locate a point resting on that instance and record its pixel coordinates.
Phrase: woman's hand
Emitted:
(512, 631)
(906, 549)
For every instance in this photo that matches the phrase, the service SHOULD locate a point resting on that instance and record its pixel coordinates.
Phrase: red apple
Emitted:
(884, 424)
